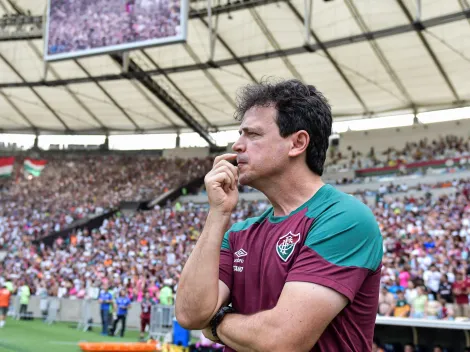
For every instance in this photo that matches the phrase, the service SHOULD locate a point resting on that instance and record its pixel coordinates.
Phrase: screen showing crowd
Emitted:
(87, 27)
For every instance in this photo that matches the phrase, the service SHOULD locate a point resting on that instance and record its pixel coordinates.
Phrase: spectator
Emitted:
(404, 277)
(386, 302)
(447, 310)
(146, 309)
(166, 293)
(44, 302)
(121, 307)
(4, 303)
(432, 279)
(411, 292)
(402, 308)
(418, 305)
(445, 291)
(460, 289)
(24, 293)
(105, 300)
(433, 308)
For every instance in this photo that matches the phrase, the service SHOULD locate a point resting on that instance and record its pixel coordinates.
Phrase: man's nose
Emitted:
(238, 146)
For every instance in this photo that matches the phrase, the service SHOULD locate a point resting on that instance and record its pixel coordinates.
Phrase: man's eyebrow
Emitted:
(249, 129)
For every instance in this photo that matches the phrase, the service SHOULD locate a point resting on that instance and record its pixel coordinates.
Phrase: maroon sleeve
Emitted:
(311, 267)
(226, 267)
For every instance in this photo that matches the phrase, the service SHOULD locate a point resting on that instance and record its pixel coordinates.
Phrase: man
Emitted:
(432, 279)
(445, 292)
(121, 306)
(305, 275)
(166, 299)
(386, 302)
(460, 289)
(4, 303)
(24, 293)
(166, 293)
(9, 286)
(146, 309)
(402, 308)
(105, 299)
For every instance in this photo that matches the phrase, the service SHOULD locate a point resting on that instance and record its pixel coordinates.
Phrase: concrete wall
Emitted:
(186, 153)
(71, 311)
(410, 181)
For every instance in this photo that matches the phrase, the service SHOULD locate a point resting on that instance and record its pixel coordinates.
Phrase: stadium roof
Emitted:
(369, 57)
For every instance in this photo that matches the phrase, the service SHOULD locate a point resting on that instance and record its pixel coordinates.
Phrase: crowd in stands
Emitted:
(426, 240)
(89, 24)
(72, 189)
(449, 146)
(141, 252)
(426, 251)
(425, 264)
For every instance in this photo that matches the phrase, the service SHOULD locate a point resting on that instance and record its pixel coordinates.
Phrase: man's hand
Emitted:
(222, 184)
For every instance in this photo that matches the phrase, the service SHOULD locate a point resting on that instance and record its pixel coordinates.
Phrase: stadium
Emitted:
(113, 112)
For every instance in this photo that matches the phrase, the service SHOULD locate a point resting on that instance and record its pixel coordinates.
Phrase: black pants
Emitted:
(123, 325)
(23, 310)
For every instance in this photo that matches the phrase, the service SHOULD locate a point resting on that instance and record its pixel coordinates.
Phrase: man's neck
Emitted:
(290, 190)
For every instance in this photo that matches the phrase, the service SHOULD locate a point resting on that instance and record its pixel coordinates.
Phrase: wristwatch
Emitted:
(217, 319)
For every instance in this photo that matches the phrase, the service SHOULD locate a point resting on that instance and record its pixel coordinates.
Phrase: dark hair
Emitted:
(299, 107)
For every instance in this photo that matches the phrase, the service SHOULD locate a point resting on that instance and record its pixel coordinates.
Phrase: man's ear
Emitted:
(299, 143)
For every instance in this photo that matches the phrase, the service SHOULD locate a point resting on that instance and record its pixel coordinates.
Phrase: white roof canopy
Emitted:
(366, 56)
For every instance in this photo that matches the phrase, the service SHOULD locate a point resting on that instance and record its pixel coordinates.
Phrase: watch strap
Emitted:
(217, 319)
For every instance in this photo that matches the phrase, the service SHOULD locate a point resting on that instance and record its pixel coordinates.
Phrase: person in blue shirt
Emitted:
(121, 306)
(105, 299)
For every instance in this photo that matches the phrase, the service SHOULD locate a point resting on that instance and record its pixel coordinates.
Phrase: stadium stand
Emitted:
(74, 188)
(102, 218)
(449, 146)
(426, 238)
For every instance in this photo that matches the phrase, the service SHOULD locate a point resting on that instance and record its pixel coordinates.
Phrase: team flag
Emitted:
(34, 166)
(6, 166)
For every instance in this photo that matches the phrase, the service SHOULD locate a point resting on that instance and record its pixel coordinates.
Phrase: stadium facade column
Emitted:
(178, 139)
(106, 142)
(36, 141)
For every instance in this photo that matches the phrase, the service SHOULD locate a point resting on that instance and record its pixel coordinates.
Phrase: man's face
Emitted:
(262, 152)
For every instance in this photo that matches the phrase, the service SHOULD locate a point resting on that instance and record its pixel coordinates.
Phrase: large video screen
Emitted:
(77, 28)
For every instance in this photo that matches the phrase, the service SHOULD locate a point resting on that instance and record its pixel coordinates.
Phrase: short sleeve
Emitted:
(226, 261)
(342, 247)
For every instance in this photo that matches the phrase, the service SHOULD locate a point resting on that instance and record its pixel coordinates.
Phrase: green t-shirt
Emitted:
(9, 286)
(401, 303)
(166, 296)
(24, 294)
(419, 302)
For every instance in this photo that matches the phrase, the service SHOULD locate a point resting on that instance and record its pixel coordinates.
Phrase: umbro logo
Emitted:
(241, 253)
